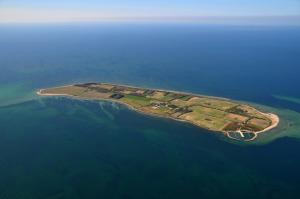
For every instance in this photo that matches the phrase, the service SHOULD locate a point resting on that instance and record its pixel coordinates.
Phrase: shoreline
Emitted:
(122, 103)
(275, 122)
(167, 90)
(273, 117)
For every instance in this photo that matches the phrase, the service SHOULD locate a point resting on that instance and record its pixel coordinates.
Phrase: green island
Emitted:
(235, 120)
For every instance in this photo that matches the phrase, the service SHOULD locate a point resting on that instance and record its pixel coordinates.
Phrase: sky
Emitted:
(99, 10)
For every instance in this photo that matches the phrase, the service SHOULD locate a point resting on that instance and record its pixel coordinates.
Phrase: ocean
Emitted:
(61, 148)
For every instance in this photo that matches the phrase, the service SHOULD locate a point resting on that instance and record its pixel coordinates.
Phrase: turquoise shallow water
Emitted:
(66, 148)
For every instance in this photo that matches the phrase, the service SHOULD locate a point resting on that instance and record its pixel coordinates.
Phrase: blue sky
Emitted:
(93, 10)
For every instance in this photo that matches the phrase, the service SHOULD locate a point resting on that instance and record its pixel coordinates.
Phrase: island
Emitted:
(236, 120)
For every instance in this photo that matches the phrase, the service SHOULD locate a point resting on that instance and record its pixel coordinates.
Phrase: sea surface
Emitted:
(62, 148)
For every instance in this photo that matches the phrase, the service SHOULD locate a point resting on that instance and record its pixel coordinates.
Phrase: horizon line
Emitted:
(273, 19)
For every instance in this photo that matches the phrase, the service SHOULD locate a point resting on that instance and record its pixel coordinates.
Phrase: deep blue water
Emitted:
(63, 148)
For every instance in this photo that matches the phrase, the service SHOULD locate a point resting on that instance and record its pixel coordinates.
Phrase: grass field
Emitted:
(136, 101)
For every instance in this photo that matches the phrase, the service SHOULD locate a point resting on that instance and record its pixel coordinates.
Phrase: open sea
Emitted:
(60, 148)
